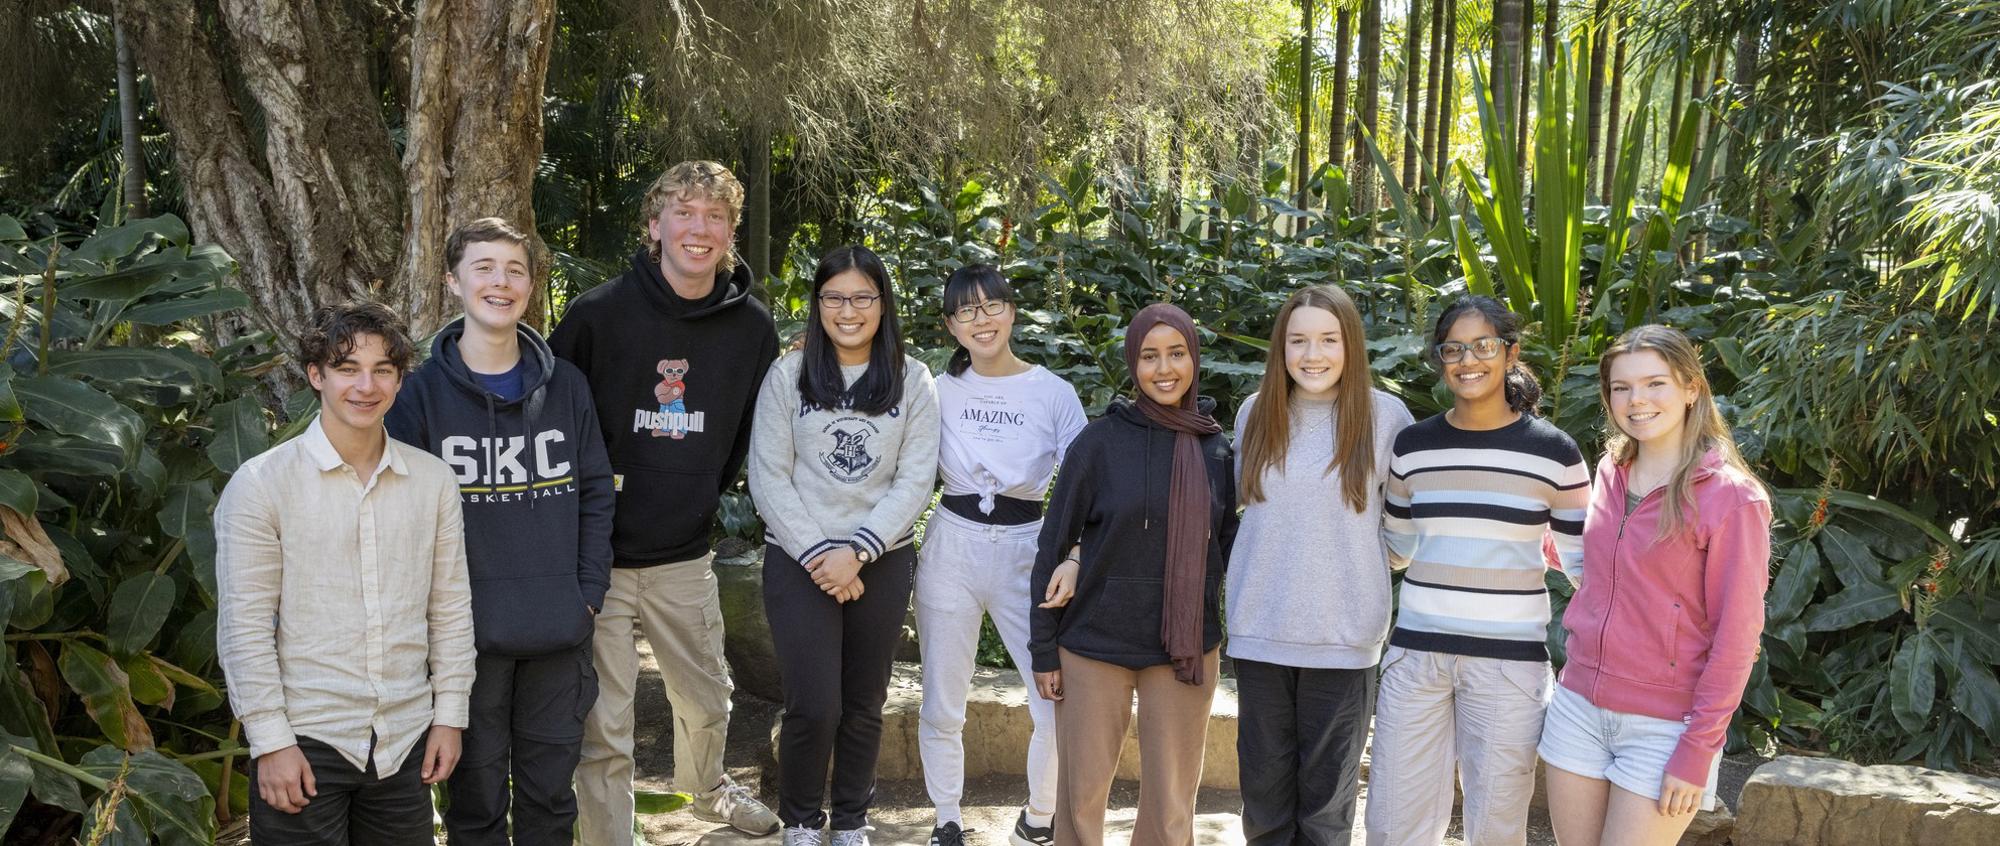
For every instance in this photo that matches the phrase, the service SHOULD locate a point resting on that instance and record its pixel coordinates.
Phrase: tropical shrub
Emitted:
(124, 415)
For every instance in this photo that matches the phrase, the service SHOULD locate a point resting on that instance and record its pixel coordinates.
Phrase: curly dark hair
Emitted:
(334, 330)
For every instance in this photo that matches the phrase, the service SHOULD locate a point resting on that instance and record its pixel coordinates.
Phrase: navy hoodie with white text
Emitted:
(535, 485)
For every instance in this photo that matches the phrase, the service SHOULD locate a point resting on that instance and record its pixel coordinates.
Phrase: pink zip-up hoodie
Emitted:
(1669, 628)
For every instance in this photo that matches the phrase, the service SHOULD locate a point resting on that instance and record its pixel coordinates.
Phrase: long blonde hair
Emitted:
(1267, 432)
(1706, 430)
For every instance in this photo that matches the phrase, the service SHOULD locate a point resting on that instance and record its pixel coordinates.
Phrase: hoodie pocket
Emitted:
(662, 511)
(1124, 618)
(531, 616)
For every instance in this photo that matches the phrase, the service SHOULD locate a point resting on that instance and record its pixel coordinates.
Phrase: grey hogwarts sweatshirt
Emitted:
(1308, 578)
(824, 478)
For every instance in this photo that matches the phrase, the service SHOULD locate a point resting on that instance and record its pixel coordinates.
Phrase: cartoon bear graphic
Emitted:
(672, 396)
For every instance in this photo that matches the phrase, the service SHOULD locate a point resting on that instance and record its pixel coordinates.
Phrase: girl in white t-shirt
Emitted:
(1006, 424)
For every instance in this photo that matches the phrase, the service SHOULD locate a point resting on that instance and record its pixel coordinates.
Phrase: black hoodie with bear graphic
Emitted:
(535, 485)
(675, 382)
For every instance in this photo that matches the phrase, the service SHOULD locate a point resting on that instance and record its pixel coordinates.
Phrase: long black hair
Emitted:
(1524, 391)
(880, 387)
(964, 288)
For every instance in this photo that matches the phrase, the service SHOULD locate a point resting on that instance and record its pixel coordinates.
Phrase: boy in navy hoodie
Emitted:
(517, 426)
(675, 349)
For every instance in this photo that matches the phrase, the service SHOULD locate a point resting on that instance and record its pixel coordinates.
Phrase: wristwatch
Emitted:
(862, 554)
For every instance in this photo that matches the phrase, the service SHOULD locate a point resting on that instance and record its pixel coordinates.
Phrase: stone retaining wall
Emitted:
(1796, 801)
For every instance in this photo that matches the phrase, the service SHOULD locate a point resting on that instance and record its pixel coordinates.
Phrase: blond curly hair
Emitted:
(693, 180)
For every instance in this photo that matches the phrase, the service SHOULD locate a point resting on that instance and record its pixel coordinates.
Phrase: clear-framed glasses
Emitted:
(990, 308)
(1453, 352)
(861, 302)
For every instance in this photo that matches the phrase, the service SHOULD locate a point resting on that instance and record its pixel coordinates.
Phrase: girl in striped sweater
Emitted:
(1480, 501)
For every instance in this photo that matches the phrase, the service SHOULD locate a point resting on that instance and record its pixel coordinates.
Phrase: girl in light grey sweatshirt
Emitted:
(1308, 585)
(843, 455)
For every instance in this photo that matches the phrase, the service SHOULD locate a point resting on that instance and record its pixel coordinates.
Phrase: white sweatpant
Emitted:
(966, 570)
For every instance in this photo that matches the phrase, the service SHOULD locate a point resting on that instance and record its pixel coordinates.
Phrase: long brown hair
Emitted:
(1267, 433)
(1706, 430)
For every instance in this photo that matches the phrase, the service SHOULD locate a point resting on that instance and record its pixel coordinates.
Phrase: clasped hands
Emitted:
(837, 573)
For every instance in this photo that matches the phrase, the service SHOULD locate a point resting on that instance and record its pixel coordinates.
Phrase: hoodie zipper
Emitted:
(1616, 542)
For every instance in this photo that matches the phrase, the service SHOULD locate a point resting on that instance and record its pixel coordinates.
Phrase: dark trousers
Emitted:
(527, 723)
(834, 661)
(352, 807)
(1298, 751)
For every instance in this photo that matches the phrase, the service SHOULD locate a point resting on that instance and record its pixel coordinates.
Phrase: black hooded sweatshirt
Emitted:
(1111, 493)
(676, 381)
(535, 486)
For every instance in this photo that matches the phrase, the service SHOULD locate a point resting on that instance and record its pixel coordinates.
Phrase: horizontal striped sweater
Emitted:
(1468, 513)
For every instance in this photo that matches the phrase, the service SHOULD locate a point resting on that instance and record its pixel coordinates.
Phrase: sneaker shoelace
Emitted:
(951, 836)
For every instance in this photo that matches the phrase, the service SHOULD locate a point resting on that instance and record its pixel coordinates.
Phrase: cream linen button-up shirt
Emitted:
(344, 610)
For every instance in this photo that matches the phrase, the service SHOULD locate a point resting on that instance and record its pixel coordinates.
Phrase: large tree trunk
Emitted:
(1367, 196)
(1743, 80)
(132, 155)
(1336, 128)
(1600, 23)
(1302, 162)
(1413, 58)
(286, 156)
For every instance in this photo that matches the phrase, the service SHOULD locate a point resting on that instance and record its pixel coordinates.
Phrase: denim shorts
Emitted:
(1628, 750)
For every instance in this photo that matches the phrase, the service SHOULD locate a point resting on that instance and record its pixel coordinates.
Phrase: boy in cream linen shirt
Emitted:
(344, 621)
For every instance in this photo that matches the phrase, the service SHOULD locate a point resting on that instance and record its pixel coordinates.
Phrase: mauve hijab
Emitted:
(1187, 494)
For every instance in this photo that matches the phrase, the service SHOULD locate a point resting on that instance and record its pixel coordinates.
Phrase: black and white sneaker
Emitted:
(1029, 835)
(948, 834)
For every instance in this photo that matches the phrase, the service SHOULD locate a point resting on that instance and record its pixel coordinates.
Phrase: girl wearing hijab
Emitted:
(1150, 491)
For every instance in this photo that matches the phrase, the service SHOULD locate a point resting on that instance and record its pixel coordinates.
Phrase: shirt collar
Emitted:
(328, 459)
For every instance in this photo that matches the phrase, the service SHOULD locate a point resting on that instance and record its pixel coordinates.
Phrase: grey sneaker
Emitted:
(852, 837)
(799, 835)
(731, 804)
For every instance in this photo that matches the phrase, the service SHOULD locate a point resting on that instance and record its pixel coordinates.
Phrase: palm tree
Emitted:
(1336, 130)
(1302, 166)
(1413, 57)
(1600, 25)
(1367, 197)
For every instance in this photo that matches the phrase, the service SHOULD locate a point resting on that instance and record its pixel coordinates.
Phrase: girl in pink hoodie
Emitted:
(1664, 627)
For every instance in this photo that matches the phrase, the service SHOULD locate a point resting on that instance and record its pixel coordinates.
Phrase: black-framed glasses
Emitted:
(1484, 349)
(990, 308)
(861, 302)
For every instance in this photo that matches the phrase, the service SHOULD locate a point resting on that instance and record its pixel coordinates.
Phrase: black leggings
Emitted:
(834, 660)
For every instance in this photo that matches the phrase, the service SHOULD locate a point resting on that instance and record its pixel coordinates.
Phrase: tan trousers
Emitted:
(1091, 720)
(679, 609)
(1441, 715)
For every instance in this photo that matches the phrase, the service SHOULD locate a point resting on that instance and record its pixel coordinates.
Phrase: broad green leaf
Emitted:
(150, 686)
(23, 588)
(189, 506)
(22, 712)
(17, 491)
(1793, 587)
(138, 607)
(240, 433)
(1979, 634)
(1863, 603)
(51, 782)
(1913, 682)
(16, 776)
(107, 695)
(208, 302)
(173, 799)
(120, 826)
(182, 677)
(10, 405)
(120, 241)
(133, 364)
(1852, 561)
(72, 408)
(10, 230)
(75, 456)
(1977, 693)
(152, 273)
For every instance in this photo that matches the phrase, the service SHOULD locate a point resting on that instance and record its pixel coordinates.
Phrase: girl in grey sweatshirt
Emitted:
(1308, 582)
(843, 454)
